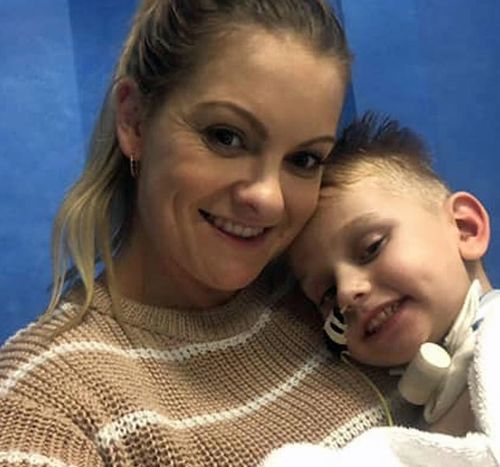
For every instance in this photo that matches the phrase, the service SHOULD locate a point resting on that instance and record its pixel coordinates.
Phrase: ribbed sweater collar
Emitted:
(232, 318)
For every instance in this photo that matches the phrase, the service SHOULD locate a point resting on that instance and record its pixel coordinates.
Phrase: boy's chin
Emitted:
(393, 358)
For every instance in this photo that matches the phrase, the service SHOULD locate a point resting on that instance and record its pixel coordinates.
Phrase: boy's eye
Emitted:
(305, 161)
(372, 250)
(224, 137)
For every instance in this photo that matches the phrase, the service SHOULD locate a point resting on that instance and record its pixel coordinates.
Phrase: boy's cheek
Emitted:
(351, 342)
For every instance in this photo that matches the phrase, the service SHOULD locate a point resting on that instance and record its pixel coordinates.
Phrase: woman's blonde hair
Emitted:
(168, 40)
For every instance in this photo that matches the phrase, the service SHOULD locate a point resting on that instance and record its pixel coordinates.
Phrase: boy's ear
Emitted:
(473, 224)
(128, 117)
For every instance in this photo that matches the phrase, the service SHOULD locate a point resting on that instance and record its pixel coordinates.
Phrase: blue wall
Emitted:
(435, 64)
(56, 57)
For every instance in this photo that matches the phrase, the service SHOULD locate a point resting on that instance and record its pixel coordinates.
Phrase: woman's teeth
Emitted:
(233, 228)
(382, 317)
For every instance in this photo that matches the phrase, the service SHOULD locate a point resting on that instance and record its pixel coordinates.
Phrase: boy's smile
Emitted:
(378, 318)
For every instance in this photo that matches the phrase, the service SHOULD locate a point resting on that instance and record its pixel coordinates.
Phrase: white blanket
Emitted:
(395, 446)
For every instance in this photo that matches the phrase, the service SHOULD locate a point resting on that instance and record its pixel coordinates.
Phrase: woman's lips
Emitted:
(233, 228)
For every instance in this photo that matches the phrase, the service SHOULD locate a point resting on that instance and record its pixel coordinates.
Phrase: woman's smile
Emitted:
(233, 228)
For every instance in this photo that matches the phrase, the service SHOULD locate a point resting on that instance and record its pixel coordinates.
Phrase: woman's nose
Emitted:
(260, 198)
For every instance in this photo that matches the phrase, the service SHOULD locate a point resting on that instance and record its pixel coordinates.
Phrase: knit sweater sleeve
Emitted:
(43, 415)
(34, 435)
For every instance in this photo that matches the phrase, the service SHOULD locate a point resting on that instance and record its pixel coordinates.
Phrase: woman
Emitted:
(166, 343)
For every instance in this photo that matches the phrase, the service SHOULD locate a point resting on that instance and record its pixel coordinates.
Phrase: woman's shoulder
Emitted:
(54, 382)
(39, 351)
(39, 333)
(66, 371)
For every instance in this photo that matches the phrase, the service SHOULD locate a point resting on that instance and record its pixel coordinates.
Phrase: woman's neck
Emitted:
(163, 288)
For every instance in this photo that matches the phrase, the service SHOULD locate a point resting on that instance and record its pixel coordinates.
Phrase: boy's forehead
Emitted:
(384, 175)
(385, 185)
(337, 197)
(366, 202)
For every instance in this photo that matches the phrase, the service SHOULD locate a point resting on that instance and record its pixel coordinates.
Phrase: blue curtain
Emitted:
(56, 59)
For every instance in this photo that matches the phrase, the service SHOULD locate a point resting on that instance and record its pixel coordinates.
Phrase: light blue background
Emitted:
(435, 64)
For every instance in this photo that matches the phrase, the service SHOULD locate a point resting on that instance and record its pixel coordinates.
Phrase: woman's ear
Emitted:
(128, 117)
(473, 224)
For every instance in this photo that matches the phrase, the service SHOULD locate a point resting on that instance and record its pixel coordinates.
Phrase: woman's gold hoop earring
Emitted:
(134, 166)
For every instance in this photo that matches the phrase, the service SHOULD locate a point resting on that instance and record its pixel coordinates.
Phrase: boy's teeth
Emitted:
(381, 318)
(236, 229)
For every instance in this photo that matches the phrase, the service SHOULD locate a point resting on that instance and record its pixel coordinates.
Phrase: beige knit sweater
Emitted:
(161, 387)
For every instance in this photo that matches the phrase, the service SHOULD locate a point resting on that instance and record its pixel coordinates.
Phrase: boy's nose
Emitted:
(353, 287)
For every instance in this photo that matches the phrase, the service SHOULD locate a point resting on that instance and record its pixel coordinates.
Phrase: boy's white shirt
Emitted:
(459, 343)
(397, 446)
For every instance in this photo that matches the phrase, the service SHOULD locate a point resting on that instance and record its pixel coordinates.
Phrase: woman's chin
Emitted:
(232, 279)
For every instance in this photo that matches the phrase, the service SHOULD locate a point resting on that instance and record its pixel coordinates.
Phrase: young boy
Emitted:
(394, 258)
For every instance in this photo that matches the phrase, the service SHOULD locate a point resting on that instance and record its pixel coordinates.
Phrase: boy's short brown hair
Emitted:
(376, 145)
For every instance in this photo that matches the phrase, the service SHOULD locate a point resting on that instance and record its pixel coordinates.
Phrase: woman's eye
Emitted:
(305, 161)
(224, 137)
(372, 250)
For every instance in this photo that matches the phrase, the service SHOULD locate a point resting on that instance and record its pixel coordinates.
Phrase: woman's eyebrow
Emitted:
(257, 125)
(254, 122)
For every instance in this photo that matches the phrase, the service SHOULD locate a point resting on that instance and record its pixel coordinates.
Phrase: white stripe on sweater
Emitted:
(180, 354)
(18, 457)
(132, 422)
(354, 427)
